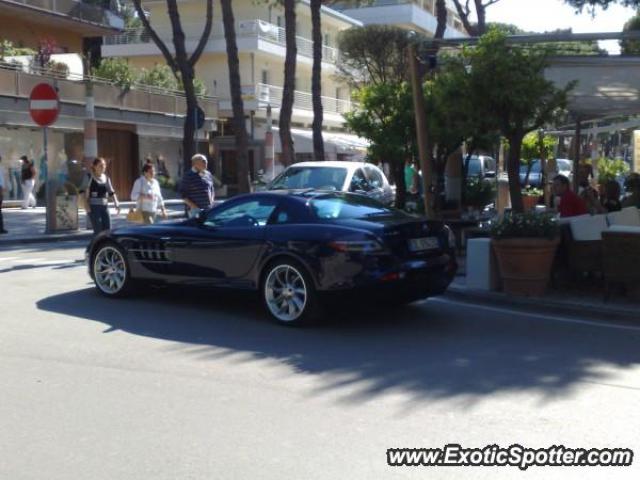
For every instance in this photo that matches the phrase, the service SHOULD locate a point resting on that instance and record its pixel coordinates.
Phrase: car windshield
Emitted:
(349, 207)
(319, 178)
(564, 165)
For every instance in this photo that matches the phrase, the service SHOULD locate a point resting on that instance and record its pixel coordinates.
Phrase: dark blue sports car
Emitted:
(294, 248)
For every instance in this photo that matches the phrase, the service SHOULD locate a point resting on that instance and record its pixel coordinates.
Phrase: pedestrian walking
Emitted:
(197, 186)
(98, 193)
(28, 178)
(2, 188)
(146, 192)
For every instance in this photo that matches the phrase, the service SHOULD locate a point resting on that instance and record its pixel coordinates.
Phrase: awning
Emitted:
(337, 143)
(607, 86)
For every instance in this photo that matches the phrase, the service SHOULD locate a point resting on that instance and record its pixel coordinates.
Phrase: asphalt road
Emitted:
(186, 385)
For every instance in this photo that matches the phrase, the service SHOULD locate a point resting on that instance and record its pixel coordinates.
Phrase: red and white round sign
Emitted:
(44, 105)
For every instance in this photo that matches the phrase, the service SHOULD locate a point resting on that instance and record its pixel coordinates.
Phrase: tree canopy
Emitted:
(592, 4)
(627, 46)
(373, 54)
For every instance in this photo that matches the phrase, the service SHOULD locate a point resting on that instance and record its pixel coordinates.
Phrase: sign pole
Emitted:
(49, 193)
(195, 134)
(44, 107)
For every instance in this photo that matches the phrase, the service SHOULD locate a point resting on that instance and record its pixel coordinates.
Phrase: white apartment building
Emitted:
(261, 45)
(417, 15)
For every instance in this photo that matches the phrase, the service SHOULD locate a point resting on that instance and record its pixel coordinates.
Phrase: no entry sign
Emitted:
(44, 106)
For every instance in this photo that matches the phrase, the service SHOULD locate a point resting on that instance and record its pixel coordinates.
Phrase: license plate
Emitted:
(425, 243)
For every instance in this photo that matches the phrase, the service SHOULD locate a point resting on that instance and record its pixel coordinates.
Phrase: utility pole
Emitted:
(421, 128)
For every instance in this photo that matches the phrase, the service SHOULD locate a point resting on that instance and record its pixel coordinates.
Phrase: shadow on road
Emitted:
(432, 350)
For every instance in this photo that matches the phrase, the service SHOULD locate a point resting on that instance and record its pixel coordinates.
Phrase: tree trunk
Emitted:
(189, 127)
(181, 65)
(481, 13)
(441, 15)
(397, 165)
(186, 75)
(316, 83)
(513, 170)
(239, 124)
(288, 154)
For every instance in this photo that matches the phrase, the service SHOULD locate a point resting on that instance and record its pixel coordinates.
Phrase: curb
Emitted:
(63, 237)
(53, 238)
(543, 305)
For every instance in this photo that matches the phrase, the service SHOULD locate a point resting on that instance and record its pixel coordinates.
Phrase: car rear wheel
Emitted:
(111, 271)
(288, 294)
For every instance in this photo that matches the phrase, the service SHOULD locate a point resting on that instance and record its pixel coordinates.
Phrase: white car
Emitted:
(356, 177)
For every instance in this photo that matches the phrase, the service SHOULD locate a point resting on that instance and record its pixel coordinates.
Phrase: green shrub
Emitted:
(529, 225)
(610, 169)
(479, 193)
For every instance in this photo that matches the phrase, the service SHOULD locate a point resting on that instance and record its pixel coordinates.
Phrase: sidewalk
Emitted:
(554, 302)
(28, 226)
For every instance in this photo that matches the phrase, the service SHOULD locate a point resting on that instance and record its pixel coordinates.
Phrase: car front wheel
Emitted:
(289, 295)
(111, 272)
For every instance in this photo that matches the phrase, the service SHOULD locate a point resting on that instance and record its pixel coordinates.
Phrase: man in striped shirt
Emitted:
(197, 186)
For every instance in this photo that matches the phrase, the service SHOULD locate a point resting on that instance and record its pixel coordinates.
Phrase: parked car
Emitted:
(355, 177)
(535, 174)
(481, 166)
(563, 167)
(295, 249)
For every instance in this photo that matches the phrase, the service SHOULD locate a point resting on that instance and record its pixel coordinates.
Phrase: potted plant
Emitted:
(530, 197)
(525, 245)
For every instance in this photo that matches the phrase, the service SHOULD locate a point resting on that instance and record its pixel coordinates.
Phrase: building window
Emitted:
(264, 78)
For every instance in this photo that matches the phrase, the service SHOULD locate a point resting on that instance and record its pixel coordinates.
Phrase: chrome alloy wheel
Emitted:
(285, 293)
(109, 270)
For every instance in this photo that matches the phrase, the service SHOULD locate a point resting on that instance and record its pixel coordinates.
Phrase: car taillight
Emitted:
(357, 246)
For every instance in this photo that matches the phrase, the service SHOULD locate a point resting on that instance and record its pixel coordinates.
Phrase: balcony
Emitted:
(245, 29)
(257, 97)
(420, 14)
(102, 20)
(17, 83)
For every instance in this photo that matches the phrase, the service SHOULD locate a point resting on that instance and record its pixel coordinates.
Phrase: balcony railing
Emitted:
(75, 9)
(272, 95)
(16, 82)
(244, 29)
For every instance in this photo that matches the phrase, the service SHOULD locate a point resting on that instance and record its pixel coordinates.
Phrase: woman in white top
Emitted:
(146, 191)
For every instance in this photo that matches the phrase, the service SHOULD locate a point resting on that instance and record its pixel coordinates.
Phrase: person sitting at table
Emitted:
(571, 205)
(611, 197)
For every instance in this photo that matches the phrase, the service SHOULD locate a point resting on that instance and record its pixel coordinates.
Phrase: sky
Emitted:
(545, 15)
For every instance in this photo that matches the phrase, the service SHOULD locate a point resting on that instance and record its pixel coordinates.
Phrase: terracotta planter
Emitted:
(525, 264)
(529, 202)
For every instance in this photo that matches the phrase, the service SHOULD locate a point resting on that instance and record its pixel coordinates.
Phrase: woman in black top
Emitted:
(99, 191)
(611, 197)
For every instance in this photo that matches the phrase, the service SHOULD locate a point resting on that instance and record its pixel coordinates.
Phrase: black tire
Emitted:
(103, 252)
(310, 312)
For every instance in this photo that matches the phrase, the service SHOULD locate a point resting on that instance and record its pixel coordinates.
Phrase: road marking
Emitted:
(615, 326)
(30, 261)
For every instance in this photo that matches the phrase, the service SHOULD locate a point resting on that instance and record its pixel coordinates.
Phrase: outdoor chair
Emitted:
(621, 257)
(582, 242)
(629, 216)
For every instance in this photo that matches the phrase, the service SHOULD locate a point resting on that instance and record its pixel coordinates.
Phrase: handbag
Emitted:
(135, 216)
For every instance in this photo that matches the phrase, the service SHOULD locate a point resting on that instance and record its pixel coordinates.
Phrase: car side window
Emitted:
(359, 182)
(249, 213)
(375, 178)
